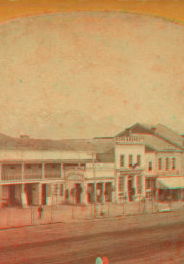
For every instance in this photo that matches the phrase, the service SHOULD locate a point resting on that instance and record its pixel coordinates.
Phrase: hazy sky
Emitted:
(95, 67)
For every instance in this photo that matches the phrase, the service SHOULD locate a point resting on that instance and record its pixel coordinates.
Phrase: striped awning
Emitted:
(170, 183)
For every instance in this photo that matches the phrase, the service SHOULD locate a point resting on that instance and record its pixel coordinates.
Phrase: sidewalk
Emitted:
(16, 217)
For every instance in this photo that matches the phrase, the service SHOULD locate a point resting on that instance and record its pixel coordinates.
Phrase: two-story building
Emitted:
(163, 167)
(140, 161)
(46, 171)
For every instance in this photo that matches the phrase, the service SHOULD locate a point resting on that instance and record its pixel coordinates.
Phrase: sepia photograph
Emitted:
(91, 131)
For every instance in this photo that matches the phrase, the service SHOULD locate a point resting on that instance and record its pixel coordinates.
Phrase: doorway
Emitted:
(108, 193)
(90, 192)
(78, 193)
(29, 193)
(12, 198)
(44, 194)
(130, 187)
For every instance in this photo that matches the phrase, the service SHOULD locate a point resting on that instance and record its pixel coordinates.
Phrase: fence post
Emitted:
(51, 213)
(31, 215)
(153, 202)
(73, 210)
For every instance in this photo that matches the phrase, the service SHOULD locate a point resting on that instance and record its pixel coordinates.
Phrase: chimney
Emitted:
(129, 131)
(153, 129)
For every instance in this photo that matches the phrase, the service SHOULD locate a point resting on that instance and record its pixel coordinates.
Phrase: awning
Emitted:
(170, 183)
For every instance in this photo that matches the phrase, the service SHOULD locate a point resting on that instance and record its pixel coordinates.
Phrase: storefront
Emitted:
(171, 187)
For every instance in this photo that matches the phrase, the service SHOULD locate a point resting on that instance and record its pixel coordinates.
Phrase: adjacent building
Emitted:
(141, 161)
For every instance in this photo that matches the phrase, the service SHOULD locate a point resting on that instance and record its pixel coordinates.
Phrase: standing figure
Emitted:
(40, 211)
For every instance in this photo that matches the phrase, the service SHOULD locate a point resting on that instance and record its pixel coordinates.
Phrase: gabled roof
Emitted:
(136, 128)
(157, 137)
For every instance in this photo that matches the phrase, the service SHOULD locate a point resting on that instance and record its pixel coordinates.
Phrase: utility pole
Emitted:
(94, 175)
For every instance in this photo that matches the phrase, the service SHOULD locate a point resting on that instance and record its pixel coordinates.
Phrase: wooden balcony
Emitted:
(32, 175)
(11, 176)
(55, 174)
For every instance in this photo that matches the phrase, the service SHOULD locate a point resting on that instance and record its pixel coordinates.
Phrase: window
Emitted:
(167, 163)
(160, 163)
(122, 160)
(61, 190)
(121, 184)
(139, 185)
(130, 160)
(173, 163)
(138, 160)
(150, 166)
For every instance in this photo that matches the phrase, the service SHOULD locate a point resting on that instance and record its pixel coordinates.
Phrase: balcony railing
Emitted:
(32, 175)
(52, 175)
(129, 140)
(29, 176)
(11, 176)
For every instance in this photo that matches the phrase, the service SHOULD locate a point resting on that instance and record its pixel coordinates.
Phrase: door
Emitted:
(130, 186)
(44, 194)
(12, 195)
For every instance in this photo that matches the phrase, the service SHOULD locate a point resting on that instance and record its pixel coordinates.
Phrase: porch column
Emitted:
(117, 187)
(95, 200)
(156, 191)
(126, 186)
(22, 178)
(43, 170)
(103, 190)
(57, 194)
(84, 194)
(39, 193)
(143, 191)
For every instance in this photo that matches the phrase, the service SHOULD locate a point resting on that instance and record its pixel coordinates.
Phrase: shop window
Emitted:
(122, 160)
(160, 163)
(150, 166)
(167, 163)
(173, 163)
